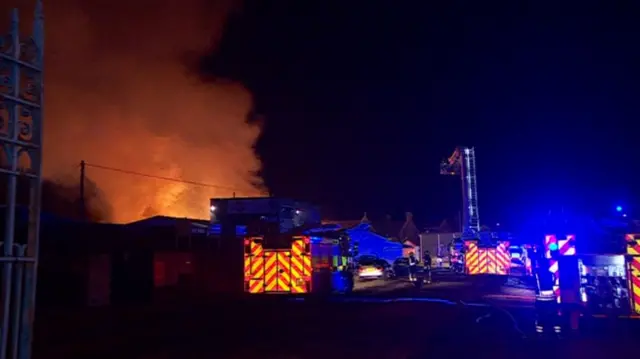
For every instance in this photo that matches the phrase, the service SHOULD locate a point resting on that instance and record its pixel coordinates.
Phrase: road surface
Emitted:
(452, 287)
(397, 322)
(383, 286)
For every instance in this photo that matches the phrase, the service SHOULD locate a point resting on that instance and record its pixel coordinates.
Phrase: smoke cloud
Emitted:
(118, 94)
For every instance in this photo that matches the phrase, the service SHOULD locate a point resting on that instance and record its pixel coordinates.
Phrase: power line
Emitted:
(169, 179)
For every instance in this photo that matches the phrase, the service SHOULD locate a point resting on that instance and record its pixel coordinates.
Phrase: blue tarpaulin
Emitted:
(373, 244)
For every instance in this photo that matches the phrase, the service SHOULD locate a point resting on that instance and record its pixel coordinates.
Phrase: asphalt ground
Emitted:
(453, 317)
(270, 329)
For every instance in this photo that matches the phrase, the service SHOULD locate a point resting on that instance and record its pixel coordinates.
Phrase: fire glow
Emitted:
(120, 94)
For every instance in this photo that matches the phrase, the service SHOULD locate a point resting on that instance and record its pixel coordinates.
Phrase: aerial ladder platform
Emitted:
(463, 163)
(483, 253)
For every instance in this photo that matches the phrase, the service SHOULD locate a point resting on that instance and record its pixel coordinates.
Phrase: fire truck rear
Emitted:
(285, 249)
(297, 263)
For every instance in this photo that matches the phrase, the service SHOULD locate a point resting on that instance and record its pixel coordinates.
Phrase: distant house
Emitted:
(444, 227)
(409, 232)
(398, 231)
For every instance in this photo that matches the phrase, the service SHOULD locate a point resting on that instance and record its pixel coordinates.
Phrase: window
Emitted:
(367, 260)
(277, 241)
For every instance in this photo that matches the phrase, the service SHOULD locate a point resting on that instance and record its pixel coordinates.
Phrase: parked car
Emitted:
(401, 267)
(370, 267)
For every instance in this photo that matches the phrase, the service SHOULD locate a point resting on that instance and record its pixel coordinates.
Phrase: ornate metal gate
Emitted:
(21, 95)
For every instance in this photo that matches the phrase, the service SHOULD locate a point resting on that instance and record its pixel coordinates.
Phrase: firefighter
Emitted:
(413, 266)
(427, 260)
(548, 321)
(440, 255)
(427, 265)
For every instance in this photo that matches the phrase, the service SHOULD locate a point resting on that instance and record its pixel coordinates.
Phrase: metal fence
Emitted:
(21, 95)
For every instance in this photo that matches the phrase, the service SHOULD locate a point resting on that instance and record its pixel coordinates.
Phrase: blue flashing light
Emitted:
(619, 209)
(553, 247)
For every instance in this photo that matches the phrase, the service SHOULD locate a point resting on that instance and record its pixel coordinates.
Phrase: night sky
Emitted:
(362, 100)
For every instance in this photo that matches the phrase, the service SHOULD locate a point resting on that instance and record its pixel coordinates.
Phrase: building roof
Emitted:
(385, 227)
(159, 221)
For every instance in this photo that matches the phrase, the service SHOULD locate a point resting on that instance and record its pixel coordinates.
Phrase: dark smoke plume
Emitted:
(118, 94)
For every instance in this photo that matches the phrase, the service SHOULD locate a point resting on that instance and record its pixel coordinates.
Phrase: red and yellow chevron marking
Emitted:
(634, 279)
(247, 267)
(492, 261)
(256, 286)
(254, 268)
(298, 251)
(503, 258)
(277, 271)
(257, 260)
(270, 271)
(489, 261)
(482, 261)
(284, 271)
(300, 267)
(633, 249)
(471, 258)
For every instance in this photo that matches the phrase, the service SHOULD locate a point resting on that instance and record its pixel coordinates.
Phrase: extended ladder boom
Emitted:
(463, 163)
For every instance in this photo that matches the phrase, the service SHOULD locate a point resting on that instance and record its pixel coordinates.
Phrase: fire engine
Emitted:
(600, 283)
(481, 252)
(633, 268)
(285, 249)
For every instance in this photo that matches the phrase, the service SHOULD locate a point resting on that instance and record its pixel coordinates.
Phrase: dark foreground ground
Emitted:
(366, 325)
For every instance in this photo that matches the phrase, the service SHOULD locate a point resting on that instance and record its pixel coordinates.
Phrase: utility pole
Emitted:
(83, 205)
(21, 111)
